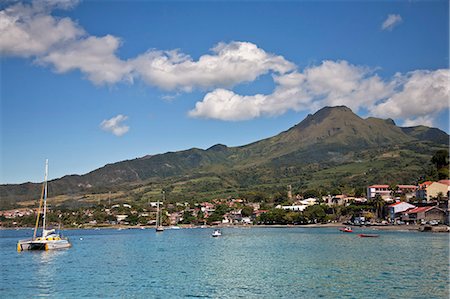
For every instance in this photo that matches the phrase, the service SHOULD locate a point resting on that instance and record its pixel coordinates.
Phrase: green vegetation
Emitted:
(333, 151)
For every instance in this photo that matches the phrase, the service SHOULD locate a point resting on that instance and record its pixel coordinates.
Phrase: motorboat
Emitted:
(49, 239)
(347, 229)
(217, 233)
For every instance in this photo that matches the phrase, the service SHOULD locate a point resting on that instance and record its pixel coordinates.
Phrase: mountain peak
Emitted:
(326, 113)
(218, 148)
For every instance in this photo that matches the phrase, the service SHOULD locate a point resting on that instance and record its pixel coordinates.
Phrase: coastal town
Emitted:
(425, 206)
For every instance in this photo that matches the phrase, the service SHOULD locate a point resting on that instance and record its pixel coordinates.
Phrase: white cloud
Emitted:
(415, 97)
(28, 30)
(115, 126)
(93, 56)
(331, 83)
(226, 105)
(419, 95)
(230, 64)
(421, 120)
(391, 21)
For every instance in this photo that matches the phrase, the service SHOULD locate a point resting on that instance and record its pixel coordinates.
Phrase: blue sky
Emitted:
(86, 83)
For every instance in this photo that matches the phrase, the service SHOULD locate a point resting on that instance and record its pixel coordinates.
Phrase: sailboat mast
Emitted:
(45, 193)
(157, 214)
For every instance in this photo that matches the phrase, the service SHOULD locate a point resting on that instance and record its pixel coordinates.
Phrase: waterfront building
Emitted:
(397, 208)
(424, 215)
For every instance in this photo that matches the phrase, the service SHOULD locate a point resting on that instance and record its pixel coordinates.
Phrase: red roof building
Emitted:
(424, 214)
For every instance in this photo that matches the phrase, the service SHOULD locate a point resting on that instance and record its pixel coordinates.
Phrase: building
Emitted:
(300, 206)
(409, 191)
(430, 190)
(424, 214)
(382, 190)
(446, 182)
(295, 208)
(396, 209)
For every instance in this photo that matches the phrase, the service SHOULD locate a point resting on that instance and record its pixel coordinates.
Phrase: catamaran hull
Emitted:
(42, 245)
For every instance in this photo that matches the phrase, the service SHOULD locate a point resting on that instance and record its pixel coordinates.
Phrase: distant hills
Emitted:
(333, 148)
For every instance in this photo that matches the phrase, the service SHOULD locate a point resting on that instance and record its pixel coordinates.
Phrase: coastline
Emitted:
(404, 228)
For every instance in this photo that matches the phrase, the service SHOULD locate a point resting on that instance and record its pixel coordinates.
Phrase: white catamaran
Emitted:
(49, 239)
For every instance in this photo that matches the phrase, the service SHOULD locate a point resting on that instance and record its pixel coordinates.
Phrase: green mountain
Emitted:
(333, 148)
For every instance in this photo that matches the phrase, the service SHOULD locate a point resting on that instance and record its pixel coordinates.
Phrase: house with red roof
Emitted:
(424, 214)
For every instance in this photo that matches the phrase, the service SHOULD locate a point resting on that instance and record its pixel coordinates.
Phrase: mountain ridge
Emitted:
(331, 136)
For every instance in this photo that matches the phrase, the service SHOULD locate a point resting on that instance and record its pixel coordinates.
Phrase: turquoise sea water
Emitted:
(257, 262)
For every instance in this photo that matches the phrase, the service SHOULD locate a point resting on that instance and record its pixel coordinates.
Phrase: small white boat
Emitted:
(217, 233)
(50, 239)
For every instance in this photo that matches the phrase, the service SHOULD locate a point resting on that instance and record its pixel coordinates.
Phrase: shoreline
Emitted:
(405, 228)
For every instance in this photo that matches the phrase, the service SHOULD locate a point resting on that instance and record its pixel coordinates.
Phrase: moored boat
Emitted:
(368, 235)
(159, 227)
(49, 239)
(347, 229)
(217, 233)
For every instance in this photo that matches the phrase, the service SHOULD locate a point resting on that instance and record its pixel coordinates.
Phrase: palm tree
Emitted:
(379, 205)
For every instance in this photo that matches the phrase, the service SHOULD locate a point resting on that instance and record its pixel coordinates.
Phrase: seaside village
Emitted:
(426, 204)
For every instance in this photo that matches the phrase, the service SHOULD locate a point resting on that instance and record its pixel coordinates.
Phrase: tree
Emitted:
(394, 189)
(217, 215)
(247, 211)
(441, 160)
(316, 213)
(311, 193)
(188, 218)
(378, 204)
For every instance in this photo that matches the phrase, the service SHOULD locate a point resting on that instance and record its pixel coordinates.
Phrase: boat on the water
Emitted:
(368, 235)
(159, 227)
(347, 229)
(217, 233)
(49, 239)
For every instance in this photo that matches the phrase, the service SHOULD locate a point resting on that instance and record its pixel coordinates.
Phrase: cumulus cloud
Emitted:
(115, 126)
(229, 64)
(421, 120)
(419, 96)
(28, 30)
(415, 97)
(391, 21)
(330, 83)
(93, 56)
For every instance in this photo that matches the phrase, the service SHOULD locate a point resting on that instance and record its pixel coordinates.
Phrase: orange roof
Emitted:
(445, 182)
(425, 184)
(379, 186)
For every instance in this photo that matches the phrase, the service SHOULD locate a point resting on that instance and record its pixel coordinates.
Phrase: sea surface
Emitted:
(291, 262)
